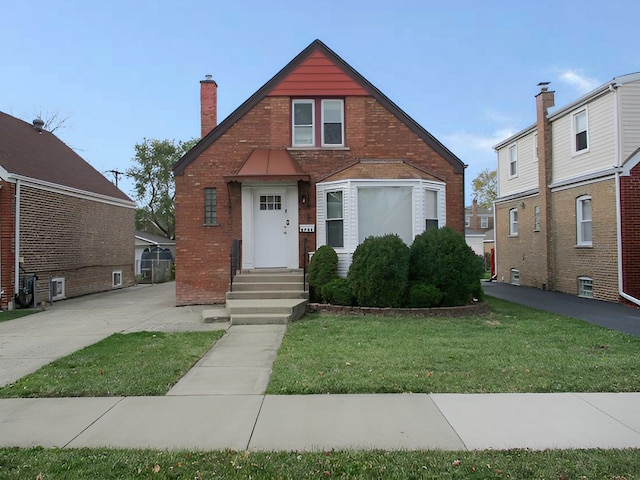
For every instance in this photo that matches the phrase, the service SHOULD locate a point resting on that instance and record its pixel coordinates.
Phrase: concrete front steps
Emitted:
(260, 297)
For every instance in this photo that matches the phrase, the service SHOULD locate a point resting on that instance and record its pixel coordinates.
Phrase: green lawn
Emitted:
(13, 314)
(129, 464)
(512, 349)
(133, 364)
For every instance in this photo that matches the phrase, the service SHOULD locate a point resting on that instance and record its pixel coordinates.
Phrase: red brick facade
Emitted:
(630, 231)
(372, 130)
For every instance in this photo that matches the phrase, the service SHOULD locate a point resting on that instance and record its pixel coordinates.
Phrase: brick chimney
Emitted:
(208, 105)
(544, 101)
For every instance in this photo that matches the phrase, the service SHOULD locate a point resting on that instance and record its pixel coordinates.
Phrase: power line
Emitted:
(116, 174)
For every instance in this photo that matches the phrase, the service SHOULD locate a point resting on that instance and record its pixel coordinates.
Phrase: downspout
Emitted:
(17, 248)
(619, 170)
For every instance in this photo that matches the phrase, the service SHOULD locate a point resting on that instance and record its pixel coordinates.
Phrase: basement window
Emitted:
(57, 288)
(116, 278)
(585, 287)
(515, 277)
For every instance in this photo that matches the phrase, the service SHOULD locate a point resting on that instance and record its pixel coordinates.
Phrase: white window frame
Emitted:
(60, 295)
(513, 160)
(585, 287)
(484, 222)
(312, 125)
(334, 219)
(513, 222)
(324, 102)
(575, 132)
(116, 278)
(535, 145)
(514, 276)
(467, 221)
(536, 218)
(580, 221)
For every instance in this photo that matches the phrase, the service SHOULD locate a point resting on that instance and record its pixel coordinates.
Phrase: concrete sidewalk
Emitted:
(220, 403)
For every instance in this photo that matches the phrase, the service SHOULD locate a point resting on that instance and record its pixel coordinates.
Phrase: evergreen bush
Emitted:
(322, 269)
(379, 272)
(337, 292)
(442, 258)
(422, 295)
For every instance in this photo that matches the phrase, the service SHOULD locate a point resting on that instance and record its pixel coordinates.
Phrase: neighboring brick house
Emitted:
(317, 153)
(567, 213)
(60, 219)
(478, 229)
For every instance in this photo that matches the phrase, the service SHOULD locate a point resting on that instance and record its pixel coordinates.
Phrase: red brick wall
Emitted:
(629, 208)
(82, 240)
(7, 241)
(371, 131)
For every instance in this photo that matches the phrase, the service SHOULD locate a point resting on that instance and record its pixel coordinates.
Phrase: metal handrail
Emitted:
(305, 257)
(234, 260)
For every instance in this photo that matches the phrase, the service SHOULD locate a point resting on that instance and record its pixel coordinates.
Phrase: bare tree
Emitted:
(53, 120)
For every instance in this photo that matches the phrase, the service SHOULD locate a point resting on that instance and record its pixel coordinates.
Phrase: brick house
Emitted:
(478, 229)
(316, 156)
(60, 219)
(568, 196)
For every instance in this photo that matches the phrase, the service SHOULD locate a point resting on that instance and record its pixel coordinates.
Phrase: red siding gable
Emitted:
(318, 76)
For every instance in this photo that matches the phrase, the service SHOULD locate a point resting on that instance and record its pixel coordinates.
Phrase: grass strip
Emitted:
(133, 364)
(6, 315)
(139, 464)
(512, 349)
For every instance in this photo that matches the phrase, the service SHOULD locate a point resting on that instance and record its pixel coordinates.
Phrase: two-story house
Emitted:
(478, 230)
(566, 216)
(317, 153)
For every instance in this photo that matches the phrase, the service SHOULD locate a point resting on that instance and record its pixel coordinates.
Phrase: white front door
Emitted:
(271, 227)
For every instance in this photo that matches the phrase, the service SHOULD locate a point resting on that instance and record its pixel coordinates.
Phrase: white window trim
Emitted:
(322, 103)
(536, 218)
(327, 219)
(62, 294)
(484, 222)
(535, 146)
(581, 291)
(513, 148)
(467, 221)
(313, 125)
(575, 152)
(115, 284)
(513, 232)
(579, 221)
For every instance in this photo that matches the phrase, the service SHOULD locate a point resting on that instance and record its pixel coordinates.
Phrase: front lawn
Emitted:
(13, 314)
(135, 464)
(512, 349)
(133, 364)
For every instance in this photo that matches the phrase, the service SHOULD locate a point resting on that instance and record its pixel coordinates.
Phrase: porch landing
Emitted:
(267, 296)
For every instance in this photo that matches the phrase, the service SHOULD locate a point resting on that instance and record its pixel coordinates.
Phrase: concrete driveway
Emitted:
(30, 342)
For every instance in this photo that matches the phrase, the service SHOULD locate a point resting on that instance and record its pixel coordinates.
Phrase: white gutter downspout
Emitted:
(619, 171)
(17, 249)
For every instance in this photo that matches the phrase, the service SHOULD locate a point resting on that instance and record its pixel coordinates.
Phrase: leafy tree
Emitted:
(485, 188)
(155, 185)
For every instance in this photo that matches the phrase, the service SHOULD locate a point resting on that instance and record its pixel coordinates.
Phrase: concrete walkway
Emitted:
(221, 404)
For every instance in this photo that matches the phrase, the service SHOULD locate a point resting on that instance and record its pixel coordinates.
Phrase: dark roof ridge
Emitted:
(253, 100)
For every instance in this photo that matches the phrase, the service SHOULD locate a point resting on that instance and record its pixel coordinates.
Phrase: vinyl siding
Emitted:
(527, 177)
(602, 142)
(630, 118)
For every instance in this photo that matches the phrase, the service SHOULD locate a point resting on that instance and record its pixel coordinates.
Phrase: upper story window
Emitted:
(513, 161)
(467, 221)
(583, 220)
(535, 145)
(513, 222)
(484, 222)
(318, 122)
(580, 132)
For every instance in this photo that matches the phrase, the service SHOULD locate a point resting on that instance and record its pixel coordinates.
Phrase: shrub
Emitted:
(442, 258)
(422, 295)
(322, 269)
(337, 292)
(379, 272)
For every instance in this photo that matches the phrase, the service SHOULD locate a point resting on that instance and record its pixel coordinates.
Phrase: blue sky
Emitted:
(465, 70)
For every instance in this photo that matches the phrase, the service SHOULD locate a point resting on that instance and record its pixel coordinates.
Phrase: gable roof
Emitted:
(39, 155)
(153, 238)
(269, 164)
(313, 48)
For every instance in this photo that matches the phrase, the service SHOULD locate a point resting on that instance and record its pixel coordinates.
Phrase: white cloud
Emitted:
(580, 82)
